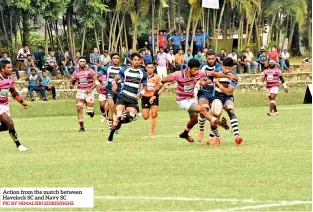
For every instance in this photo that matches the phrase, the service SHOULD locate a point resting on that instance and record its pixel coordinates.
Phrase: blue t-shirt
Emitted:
(199, 40)
(45, 80)
(147, 59)
(176, 39)
(155, 39)
(209, 89)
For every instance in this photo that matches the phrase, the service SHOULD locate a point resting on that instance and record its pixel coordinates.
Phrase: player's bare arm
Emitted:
(205, 82)
(17, 97)
(228, 91)
(221, 75)
(114, 82)
(72, 83)
(281, 78)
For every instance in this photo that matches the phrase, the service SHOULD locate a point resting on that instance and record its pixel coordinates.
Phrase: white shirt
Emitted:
(249, 56)
(284, 55)
(234, 57)
(22, 54)
(170, 58)
(105, 60)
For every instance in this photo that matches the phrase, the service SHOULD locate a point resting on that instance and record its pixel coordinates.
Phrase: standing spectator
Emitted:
(251, 61)
(51, 64)
(233, 56)
(188, 56)
(105, 59)
(29, 64)
(175, 41)
(66, 64)
(171, 61)
(262, 60)
(200, 57)
(205, 36)
(21, 55)
(47, 84)
(149, 46)
(198, 42)
(273, 55)
(147, 58)
(183, 37)
(95, 60)
(162, 41)
(5, 57)
(284, 60)
(33, 85)
(162, 63)
(221, 56)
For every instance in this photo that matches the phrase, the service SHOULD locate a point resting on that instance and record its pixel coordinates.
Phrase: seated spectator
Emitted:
(188, 56)
(147, 58)
(66, 64)
(105, 59)
(273, 55)
(250, 60)
(21, 55)
(262, 60)
(200, 57)
(47, 84)
(242, 61)
(170, 57)
(5, 57)
(51, 64)
(220, 56)
(284, 60)
(75, 60)
(34, 85)
(261, 51)
(180, 60)
(29, 64)
(95, 60)
(233, 56)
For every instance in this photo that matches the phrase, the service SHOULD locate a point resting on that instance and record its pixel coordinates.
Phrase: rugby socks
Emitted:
(201, 122)
(215, 132)
(14, 137)
(212, 134)
(111, 135)
(110, 123)
(233, 122)
(3, 127)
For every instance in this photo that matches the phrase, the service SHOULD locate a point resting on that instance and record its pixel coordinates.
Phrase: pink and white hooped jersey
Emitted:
(84, 78)
(272, 77)
(185, 85)
(103, 81)
(5, 85)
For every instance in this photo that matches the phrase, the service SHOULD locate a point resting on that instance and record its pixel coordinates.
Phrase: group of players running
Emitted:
(120, 88)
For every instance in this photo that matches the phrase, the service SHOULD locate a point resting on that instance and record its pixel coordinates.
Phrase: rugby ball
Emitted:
(216, 107)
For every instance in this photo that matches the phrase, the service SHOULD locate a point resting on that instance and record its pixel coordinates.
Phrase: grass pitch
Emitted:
(271, 170)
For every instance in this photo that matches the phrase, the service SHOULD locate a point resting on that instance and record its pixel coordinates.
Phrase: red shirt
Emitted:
(273, 56)
(162, 42)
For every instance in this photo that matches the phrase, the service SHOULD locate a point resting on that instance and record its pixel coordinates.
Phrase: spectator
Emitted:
(200, 57)
(273, 55)
(284, 60)
(75, 60)
(5, 57)
(171, 61)
(66, 64)
(149, 46)
(162, 41)
(190, 39)
(47, 84)
(242, 61)
(261, 51)
(251, 61)
(51, 64)
(205, 36)
(188, 56)
(29, 64)
(175, 41)
(198, 42)
(95, 60)
(147, 58)
(162, 64)
(183, 37)
(180, 60)
(233, 56)
(105, 59)
(128, 61)
(21, 55)
(221, 56)
(262, 60)
(33, 85)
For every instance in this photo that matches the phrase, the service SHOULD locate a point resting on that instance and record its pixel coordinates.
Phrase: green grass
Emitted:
(273, 163)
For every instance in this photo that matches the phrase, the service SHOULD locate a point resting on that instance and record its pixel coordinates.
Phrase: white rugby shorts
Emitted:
(81, 94)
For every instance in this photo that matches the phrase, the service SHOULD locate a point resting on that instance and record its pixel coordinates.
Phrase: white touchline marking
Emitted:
(283, 203)
(293, 108)
(198, 199)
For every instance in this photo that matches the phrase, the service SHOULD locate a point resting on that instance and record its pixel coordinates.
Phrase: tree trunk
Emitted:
(72, 33)
(3, 24)
(295, 44)
(125, 34)
(179, 16)
(169, 18)
(214, 28)
(58, 40)
(193, 34)
(25, 21)
(251, 29)
(114, 40)
(135, 32)
(152, 29)
(83, 41)
(46, 38)
(188, 28)
(292, 28)
(102, 39)
(69, 29)
(219, 25)
(240, 33)
(120, 28)
(111, 30)
(96, 38)
(269, 35)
